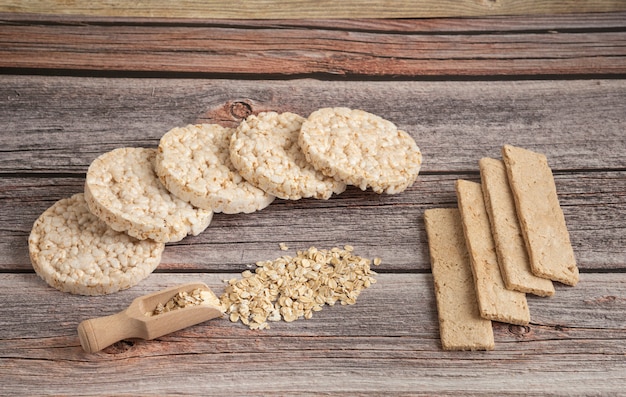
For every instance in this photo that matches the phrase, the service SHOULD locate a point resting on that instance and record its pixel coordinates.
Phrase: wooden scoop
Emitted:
(136, 322)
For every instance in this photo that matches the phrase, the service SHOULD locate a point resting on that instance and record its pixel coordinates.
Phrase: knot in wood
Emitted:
(519, 330)
(240, 109)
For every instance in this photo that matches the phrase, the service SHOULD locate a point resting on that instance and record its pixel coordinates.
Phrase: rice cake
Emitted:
(193, 162)
(123, 190)
(360, 149)
(460, 325)
(266, 152)
(541, 217)
(507, 234)
(495, 301)
(74, 251)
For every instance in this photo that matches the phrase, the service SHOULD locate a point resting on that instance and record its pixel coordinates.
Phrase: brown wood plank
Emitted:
(261, 9)
(387, 343)
(519, 23)
(296, 50)
(60, 124)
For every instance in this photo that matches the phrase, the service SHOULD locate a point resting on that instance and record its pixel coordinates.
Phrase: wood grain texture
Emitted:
(518, 23)
(390, 227)
(365, 49)
(454, 123)
(387, 343)
(272, 9)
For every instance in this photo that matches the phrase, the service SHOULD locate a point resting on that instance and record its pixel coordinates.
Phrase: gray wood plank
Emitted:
(60, 124)
(387, 343)
(387, 226)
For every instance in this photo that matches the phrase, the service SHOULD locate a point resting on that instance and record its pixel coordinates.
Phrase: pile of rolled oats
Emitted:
(290, 288)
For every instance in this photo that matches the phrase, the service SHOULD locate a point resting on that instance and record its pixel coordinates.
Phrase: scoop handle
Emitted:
(97, 333)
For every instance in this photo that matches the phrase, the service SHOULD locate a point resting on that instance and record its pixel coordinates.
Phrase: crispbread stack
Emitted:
(137, 199)
(515, 235)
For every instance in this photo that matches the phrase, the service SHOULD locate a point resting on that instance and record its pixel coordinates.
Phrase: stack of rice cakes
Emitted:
(138, 199)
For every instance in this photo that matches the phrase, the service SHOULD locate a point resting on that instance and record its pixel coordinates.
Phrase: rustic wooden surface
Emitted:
(74, 87)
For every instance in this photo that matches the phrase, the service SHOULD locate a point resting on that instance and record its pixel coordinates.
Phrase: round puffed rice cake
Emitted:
(360, 149)
(74, 251)
(265, 151)
(193, 162)
(123, 190)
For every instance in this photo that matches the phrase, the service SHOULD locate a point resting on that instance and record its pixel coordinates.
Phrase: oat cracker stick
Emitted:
(460, 324)
(540, 215)
(507, 234)
(495, 301)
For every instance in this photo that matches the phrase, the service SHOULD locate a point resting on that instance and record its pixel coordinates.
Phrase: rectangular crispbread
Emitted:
(495, 301)
(541, 217)
(506, 231)
(460, 324)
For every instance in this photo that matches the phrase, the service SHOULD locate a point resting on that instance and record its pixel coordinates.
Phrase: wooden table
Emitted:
(77, 83)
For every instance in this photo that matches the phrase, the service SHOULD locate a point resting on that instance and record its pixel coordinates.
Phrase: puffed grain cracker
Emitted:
(193, 162)
(540, 215)
(460, 325)
(266, 152)
(74, 251)
(495, 301)
(507, 234)
(123, 190)
(360, 149)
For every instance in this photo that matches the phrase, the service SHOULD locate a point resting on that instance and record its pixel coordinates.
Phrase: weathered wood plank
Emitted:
(292, 50)
(519, 23)
(60, 124)
(390, 227)
(386, 343)
(272, 9)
